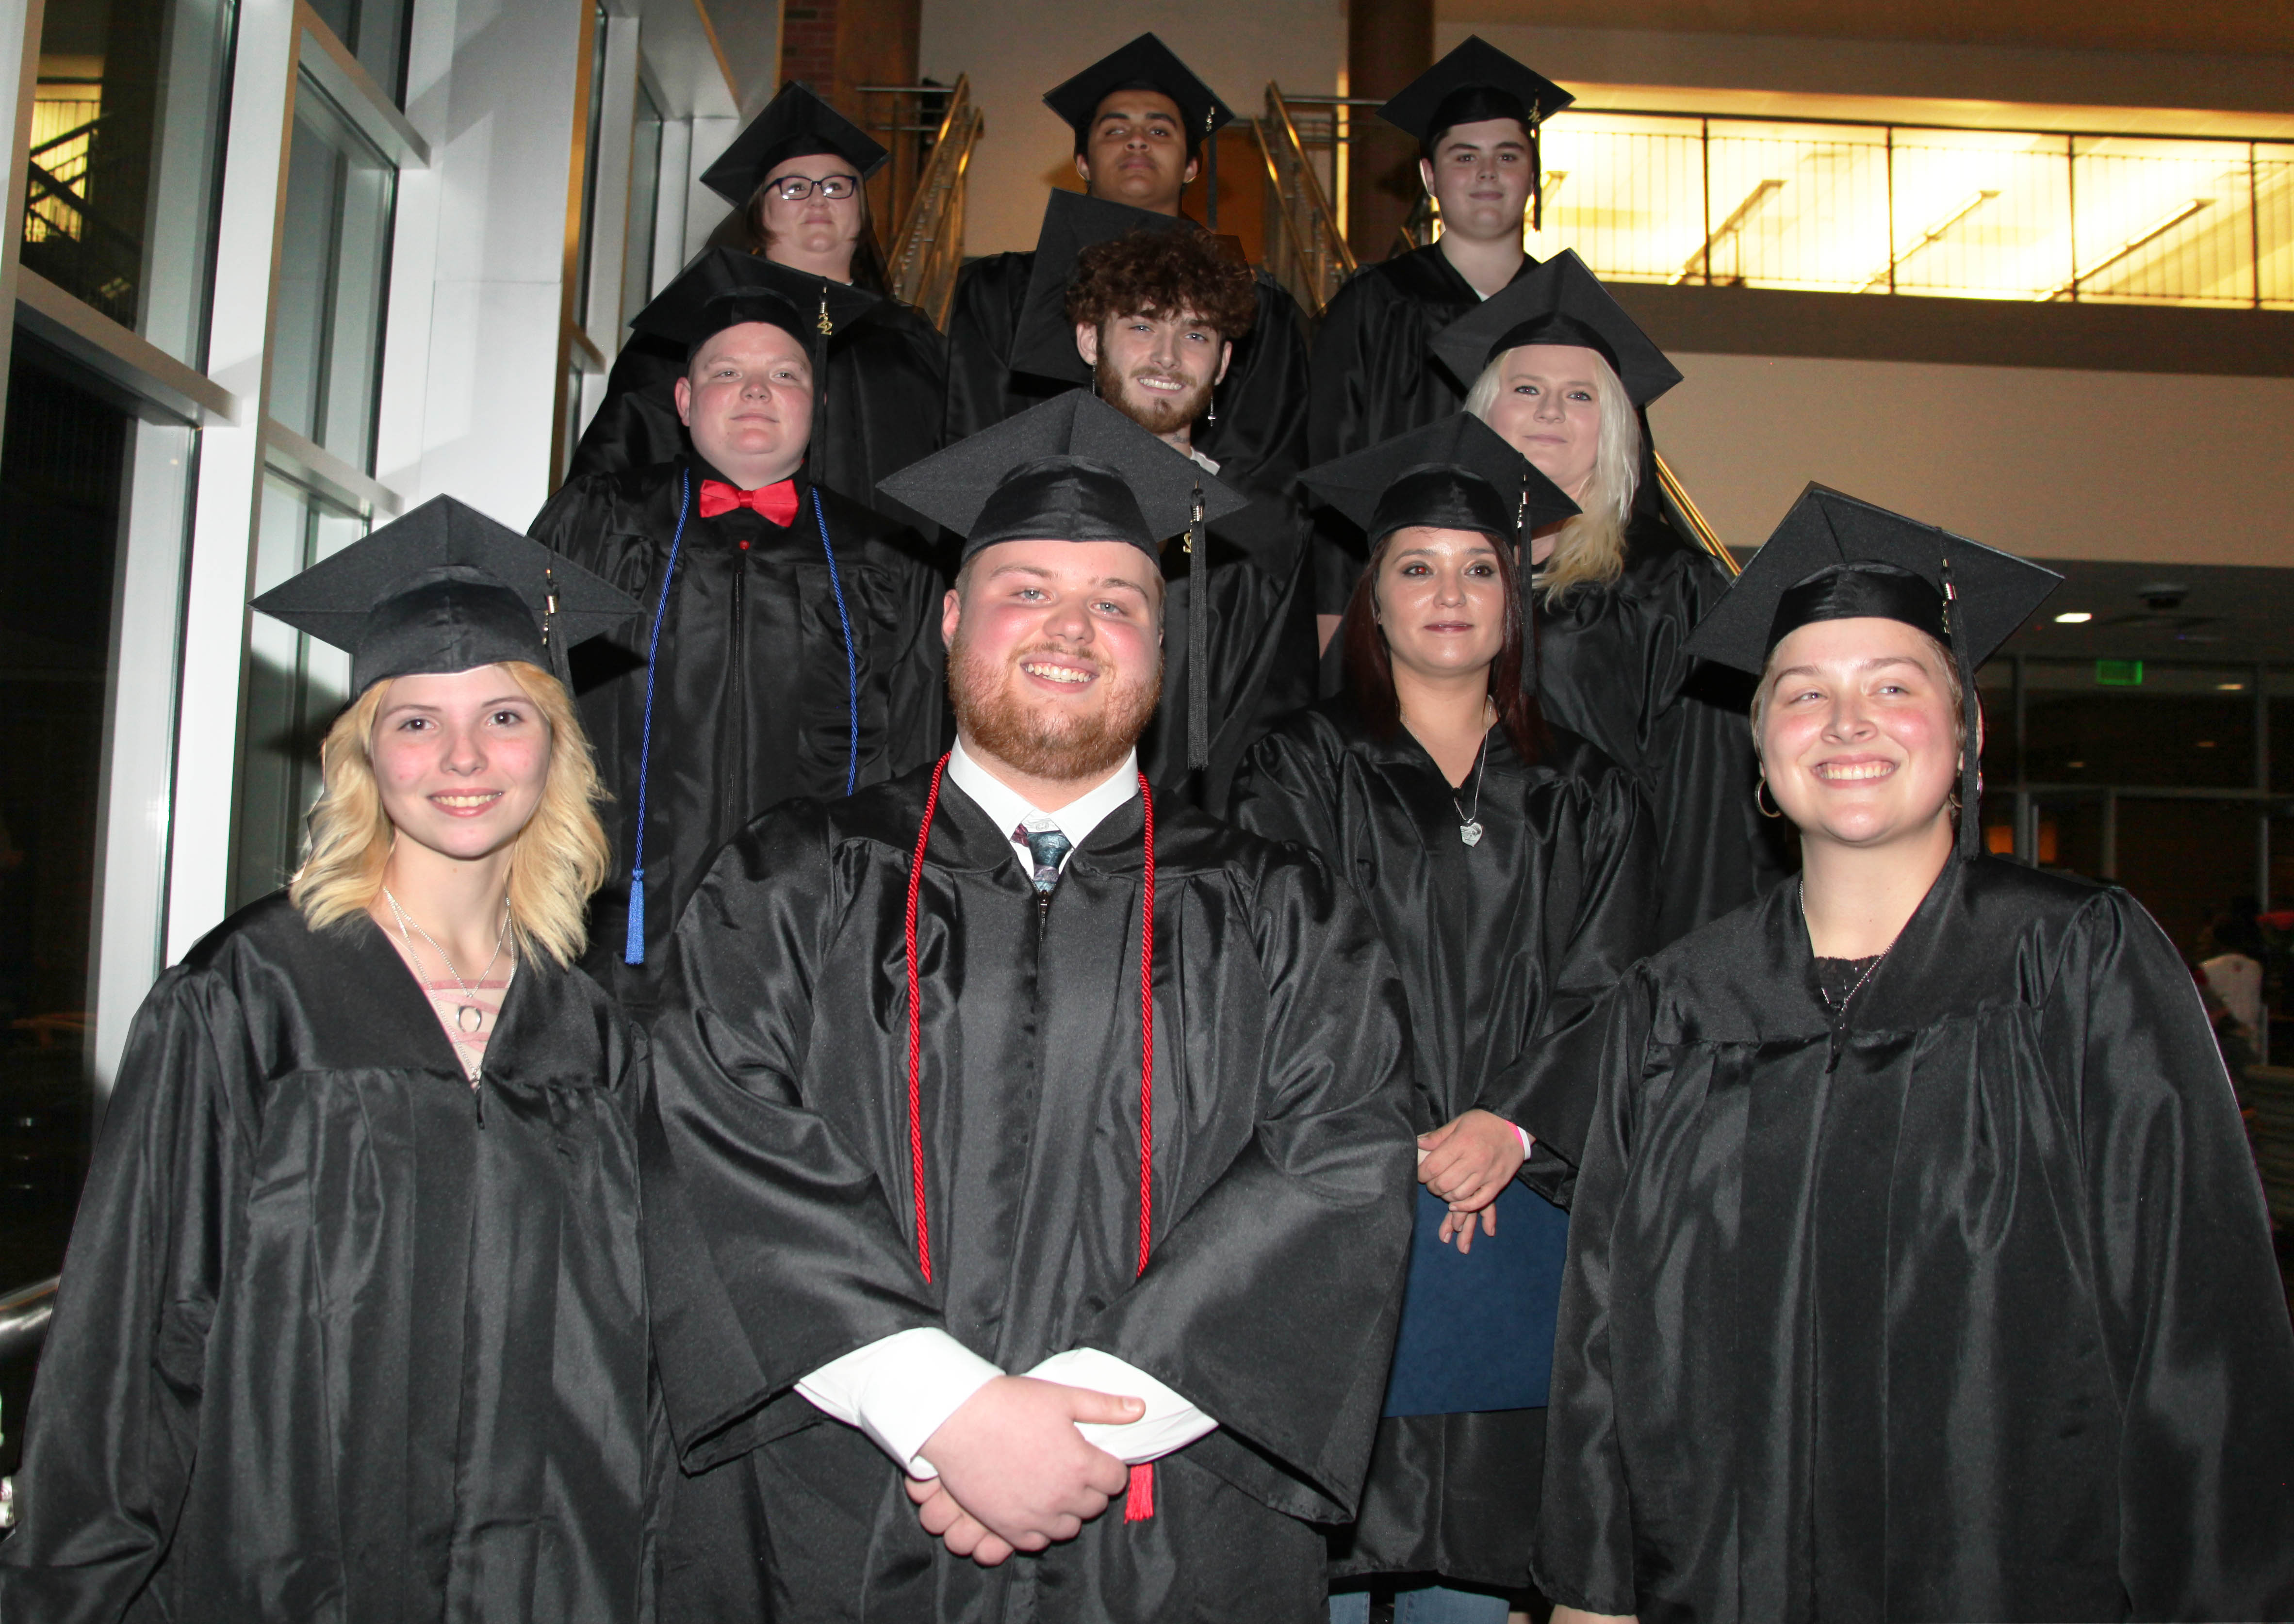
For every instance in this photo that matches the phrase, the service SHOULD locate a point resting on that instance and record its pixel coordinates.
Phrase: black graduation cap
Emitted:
(793, 123)
(1043, 341)
(1076, 469)
(1836, 558)
(1559, 302)
(724, 287)
(1456, 473)
(445, 588)
(1478, 81)
(1146, 63)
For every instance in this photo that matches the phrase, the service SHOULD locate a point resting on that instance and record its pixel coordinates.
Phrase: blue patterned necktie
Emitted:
(1046, 848)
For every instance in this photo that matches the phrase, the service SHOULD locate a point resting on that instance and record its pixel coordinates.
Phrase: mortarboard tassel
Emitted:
(1524, 568)
(1536, 177)
(633, 944)
(1970, 815)
(1198, 641)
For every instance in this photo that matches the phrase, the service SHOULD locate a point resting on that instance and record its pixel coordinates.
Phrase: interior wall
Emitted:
(1016, 50)
(2051, 464)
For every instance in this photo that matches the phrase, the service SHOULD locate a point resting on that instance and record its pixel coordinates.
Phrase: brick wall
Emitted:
(809, 44)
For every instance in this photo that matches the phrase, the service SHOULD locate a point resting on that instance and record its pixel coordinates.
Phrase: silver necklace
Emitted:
(1849, 996)
(1469, 824)
(468, 1018)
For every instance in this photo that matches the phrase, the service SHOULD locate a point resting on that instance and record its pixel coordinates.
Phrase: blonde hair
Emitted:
(1590, 550)
(556, 860)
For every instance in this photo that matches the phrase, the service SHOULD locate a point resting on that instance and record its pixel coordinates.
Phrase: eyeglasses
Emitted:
(797, 187)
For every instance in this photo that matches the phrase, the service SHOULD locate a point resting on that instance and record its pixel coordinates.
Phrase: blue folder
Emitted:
(1478, 1329)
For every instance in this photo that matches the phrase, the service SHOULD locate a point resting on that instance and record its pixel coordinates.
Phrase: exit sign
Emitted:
(2119, 673)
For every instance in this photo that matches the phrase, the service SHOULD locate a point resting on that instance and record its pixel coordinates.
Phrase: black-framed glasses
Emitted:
(797, 187)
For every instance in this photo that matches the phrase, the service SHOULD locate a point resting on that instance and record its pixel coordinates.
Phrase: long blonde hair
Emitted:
(557, 859)
(1590, 550)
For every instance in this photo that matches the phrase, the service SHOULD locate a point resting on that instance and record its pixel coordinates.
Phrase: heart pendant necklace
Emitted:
(1469, 824)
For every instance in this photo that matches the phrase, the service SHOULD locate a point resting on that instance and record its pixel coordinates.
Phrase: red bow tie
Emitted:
(776, 502)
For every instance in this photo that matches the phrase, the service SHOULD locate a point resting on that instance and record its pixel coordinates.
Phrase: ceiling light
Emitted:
(2231, 688)
(2074, 764)
(2073, 617)
(2206, 743)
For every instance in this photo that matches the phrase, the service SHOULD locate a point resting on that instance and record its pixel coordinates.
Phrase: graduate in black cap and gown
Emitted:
(1141, 117)
(798, 176)
(1918, 1269)
(1156, 316)
(1476, 115)
(352, 1325)
(1510, 866)
(1555, 365)
(788, 642)
(1008, 1068)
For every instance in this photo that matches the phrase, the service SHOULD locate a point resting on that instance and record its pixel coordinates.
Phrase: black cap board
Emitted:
(1559, 302)
(1474, 82)
(445, 588)
(1043, 340)
(1076, 469)
(1835, 557)
(793, 123)
(1456, 473)
(1145, 63)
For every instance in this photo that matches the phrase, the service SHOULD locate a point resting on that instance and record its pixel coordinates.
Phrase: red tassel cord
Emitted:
(1139, 1500)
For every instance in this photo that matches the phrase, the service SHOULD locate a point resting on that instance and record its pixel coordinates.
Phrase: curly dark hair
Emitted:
(1176, 270)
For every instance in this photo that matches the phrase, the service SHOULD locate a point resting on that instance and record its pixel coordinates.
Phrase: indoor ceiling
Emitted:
(2232, 28)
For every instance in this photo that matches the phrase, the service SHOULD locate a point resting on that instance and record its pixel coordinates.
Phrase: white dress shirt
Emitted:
(901, 1388)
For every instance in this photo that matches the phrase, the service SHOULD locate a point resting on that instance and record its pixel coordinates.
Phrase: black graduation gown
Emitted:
(328, 1347)
(1373, 377)
(1968, 1313)
(751, 701)
(780, 1160)
(1502, 947)
(1259, 440)
(1614, 666)
(887, 378)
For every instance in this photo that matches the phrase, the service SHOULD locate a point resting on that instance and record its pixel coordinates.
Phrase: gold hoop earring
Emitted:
(1760, 790)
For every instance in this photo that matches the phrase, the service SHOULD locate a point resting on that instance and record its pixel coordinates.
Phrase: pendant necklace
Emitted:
(468, 1018)
(1469, 824)
(1848, 997)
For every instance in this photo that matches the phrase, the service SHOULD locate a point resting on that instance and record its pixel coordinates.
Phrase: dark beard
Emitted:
(1157, 414)
(1041, 744)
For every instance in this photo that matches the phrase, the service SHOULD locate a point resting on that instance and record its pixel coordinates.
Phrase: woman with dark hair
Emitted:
(1917, 1266)
(797, 178)
(1509, 866)
(1558, 367)
(353, 1325)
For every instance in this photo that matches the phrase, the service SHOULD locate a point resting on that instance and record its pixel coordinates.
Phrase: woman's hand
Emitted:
(1466, 1163)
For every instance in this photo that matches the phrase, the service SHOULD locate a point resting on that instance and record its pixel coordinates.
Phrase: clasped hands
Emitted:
(1467, 1162)
(1014, 1473)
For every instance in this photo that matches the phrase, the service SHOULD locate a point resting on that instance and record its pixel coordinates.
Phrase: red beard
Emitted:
(1158, 414)
(1039, 739)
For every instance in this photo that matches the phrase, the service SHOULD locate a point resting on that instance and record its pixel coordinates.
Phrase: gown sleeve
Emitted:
(1271, 1302)
(770, 1249)
(2193, 1312)
(1584, 1546)
(918, 694)
(115, 1418)
(1286, 791)
(1551, 1089)
(980, 322)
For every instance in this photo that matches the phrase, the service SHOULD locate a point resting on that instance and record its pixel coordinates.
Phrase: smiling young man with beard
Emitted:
(1156, 316)
(959, 1245)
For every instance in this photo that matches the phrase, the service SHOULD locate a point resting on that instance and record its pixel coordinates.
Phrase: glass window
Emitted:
(2187, 860)
(61, 475)
(2138, 722)
(121, 181)
(333, 273)
(375, 32)
(644, 204)
(295, 688)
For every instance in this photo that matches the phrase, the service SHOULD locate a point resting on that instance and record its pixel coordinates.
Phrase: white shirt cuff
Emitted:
(1171, 1422)
(899, 1389)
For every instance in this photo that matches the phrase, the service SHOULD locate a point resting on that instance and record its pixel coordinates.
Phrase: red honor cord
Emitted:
(1139, 1502)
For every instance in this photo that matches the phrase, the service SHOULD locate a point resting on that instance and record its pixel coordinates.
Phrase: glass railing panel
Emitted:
(2163, 220)
(1980, 213)
(1794, 206)
(1626, 191)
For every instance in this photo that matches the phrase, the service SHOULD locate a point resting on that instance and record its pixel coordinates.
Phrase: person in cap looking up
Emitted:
(788, 641)
(1917, 1267)
(1511, 869)
(797, 179)
(1141, 117)
(352, 1325)
(1028, 1204)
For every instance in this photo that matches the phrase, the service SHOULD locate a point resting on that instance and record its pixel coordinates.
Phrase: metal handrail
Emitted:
(1685, 513)
(928, 245)
(24, 1316)
(1316, 247)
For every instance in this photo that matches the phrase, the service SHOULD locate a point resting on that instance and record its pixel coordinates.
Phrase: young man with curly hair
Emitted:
(1157, 316)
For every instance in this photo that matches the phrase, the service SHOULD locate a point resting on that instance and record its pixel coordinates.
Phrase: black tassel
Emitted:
(1971, 766)
(1525, 567)
(817, 451)
(1536, 177)
(1199, 642)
